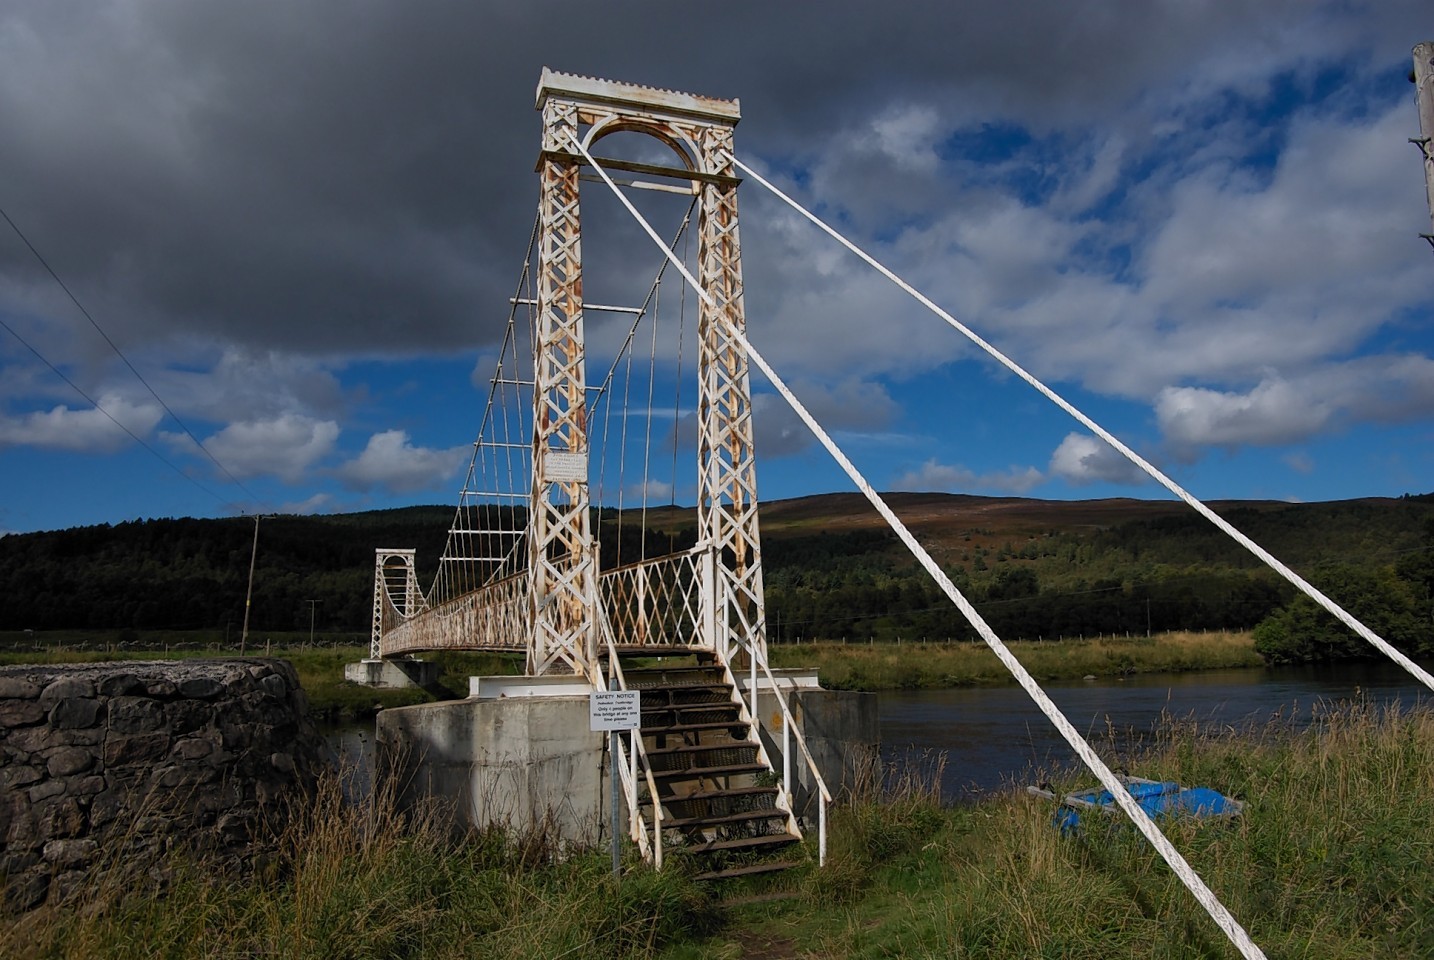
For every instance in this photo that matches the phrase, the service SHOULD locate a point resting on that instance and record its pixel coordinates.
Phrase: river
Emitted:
(995, 737)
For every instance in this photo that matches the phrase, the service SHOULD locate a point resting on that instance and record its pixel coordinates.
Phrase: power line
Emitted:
(92, 402)
(119, 353)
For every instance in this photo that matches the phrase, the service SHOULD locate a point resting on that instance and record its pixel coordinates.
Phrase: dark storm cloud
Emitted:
(340, 177)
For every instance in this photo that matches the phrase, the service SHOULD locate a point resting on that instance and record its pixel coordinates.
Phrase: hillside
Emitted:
(1036, 568)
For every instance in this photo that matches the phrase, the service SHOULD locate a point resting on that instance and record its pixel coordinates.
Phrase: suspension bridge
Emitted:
(539, 562)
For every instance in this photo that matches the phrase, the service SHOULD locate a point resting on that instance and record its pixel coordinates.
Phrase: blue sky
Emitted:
(1196, 221)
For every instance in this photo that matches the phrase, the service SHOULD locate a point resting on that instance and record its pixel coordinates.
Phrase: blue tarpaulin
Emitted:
(1154, 797)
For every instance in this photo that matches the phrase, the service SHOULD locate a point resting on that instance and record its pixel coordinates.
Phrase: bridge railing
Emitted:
(656, 602)
(791, 731)
(632, 763)
(497, 616)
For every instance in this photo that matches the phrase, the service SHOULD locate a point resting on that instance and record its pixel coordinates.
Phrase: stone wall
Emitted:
(110, 765)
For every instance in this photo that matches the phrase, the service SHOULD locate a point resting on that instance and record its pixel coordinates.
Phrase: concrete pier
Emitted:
(392, 674)
(527, 765)
(520, 757)
(840, 728)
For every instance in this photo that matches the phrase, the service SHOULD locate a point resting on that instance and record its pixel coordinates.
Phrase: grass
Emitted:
(319, 664)
(1331, 860)
(882, 666)
(369, 882)
(907, 666)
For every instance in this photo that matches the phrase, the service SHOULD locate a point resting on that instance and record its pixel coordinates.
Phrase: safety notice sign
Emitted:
(615, 710)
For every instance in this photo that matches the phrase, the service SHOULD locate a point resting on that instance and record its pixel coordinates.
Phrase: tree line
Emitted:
(1142, 575)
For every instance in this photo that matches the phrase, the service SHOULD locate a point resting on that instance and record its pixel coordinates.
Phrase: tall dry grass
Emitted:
(369, 881)
(1332, 859)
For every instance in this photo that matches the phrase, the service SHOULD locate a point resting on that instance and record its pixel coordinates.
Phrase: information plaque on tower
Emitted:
(561, 467)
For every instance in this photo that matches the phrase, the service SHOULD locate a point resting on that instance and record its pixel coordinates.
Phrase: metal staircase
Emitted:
(696, 774)
(718, 794)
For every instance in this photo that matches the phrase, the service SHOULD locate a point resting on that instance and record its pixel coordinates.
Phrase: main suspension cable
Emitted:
(1150, 469)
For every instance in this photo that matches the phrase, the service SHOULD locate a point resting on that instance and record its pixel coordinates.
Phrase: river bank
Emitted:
(870, 667)
(1332, 858)
(934, 666)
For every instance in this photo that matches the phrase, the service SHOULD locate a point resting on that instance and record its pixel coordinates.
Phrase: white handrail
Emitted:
(789, 724)
(639, 750)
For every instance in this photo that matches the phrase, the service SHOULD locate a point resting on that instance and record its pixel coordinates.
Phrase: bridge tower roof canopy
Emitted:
(652, 101)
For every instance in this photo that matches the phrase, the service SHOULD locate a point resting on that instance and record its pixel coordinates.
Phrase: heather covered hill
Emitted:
(1035, 568)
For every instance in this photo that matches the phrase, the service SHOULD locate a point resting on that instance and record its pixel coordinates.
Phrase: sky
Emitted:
(291, 231)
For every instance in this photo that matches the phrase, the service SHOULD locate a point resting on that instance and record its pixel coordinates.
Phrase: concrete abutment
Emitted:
(528, 763)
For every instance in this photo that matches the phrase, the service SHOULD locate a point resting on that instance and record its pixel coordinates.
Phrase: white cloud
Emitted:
(244, 384)
(1094, 175)
(953, 478)
(1127, 228)
(286, 446)
(649, 491)
(1082, 459)
(1382, 389)
(907, 134)
(1273, 412)
(391, 462)
(777, 430)
(848, 405)
(318, 503)
(86, 430)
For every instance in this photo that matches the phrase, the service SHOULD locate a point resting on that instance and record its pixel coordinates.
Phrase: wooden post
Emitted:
(1423, 77)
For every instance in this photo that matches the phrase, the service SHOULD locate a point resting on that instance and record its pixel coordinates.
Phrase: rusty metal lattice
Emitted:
(497, 617)
(655, 603)
(710, 598)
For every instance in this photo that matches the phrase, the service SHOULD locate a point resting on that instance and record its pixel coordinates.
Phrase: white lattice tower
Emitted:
(727, 496)
(560, 540)
(699, 131)
(394, 571)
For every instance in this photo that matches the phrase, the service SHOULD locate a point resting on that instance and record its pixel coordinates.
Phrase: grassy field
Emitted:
(320, 664)
(882, 666)
(892, 666)
(1331, 860)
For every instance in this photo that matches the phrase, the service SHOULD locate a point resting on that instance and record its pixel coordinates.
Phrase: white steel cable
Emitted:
(1107, 778)
(1269, 559)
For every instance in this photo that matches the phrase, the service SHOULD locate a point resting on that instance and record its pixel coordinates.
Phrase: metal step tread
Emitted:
(744, 843)
(700, 747)
(767, 813)
(680, 707)
(675, 668)
(673, 728)
(715, 794)
(767, 866)
(702, 773)
(720, 686)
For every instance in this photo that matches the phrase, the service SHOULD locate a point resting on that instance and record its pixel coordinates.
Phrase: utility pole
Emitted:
(249, 594)
(311, 619)
(1423, 78)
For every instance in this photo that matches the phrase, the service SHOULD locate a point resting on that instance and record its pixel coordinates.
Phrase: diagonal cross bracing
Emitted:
(560, 559)
(727, 506)
(579, 111)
